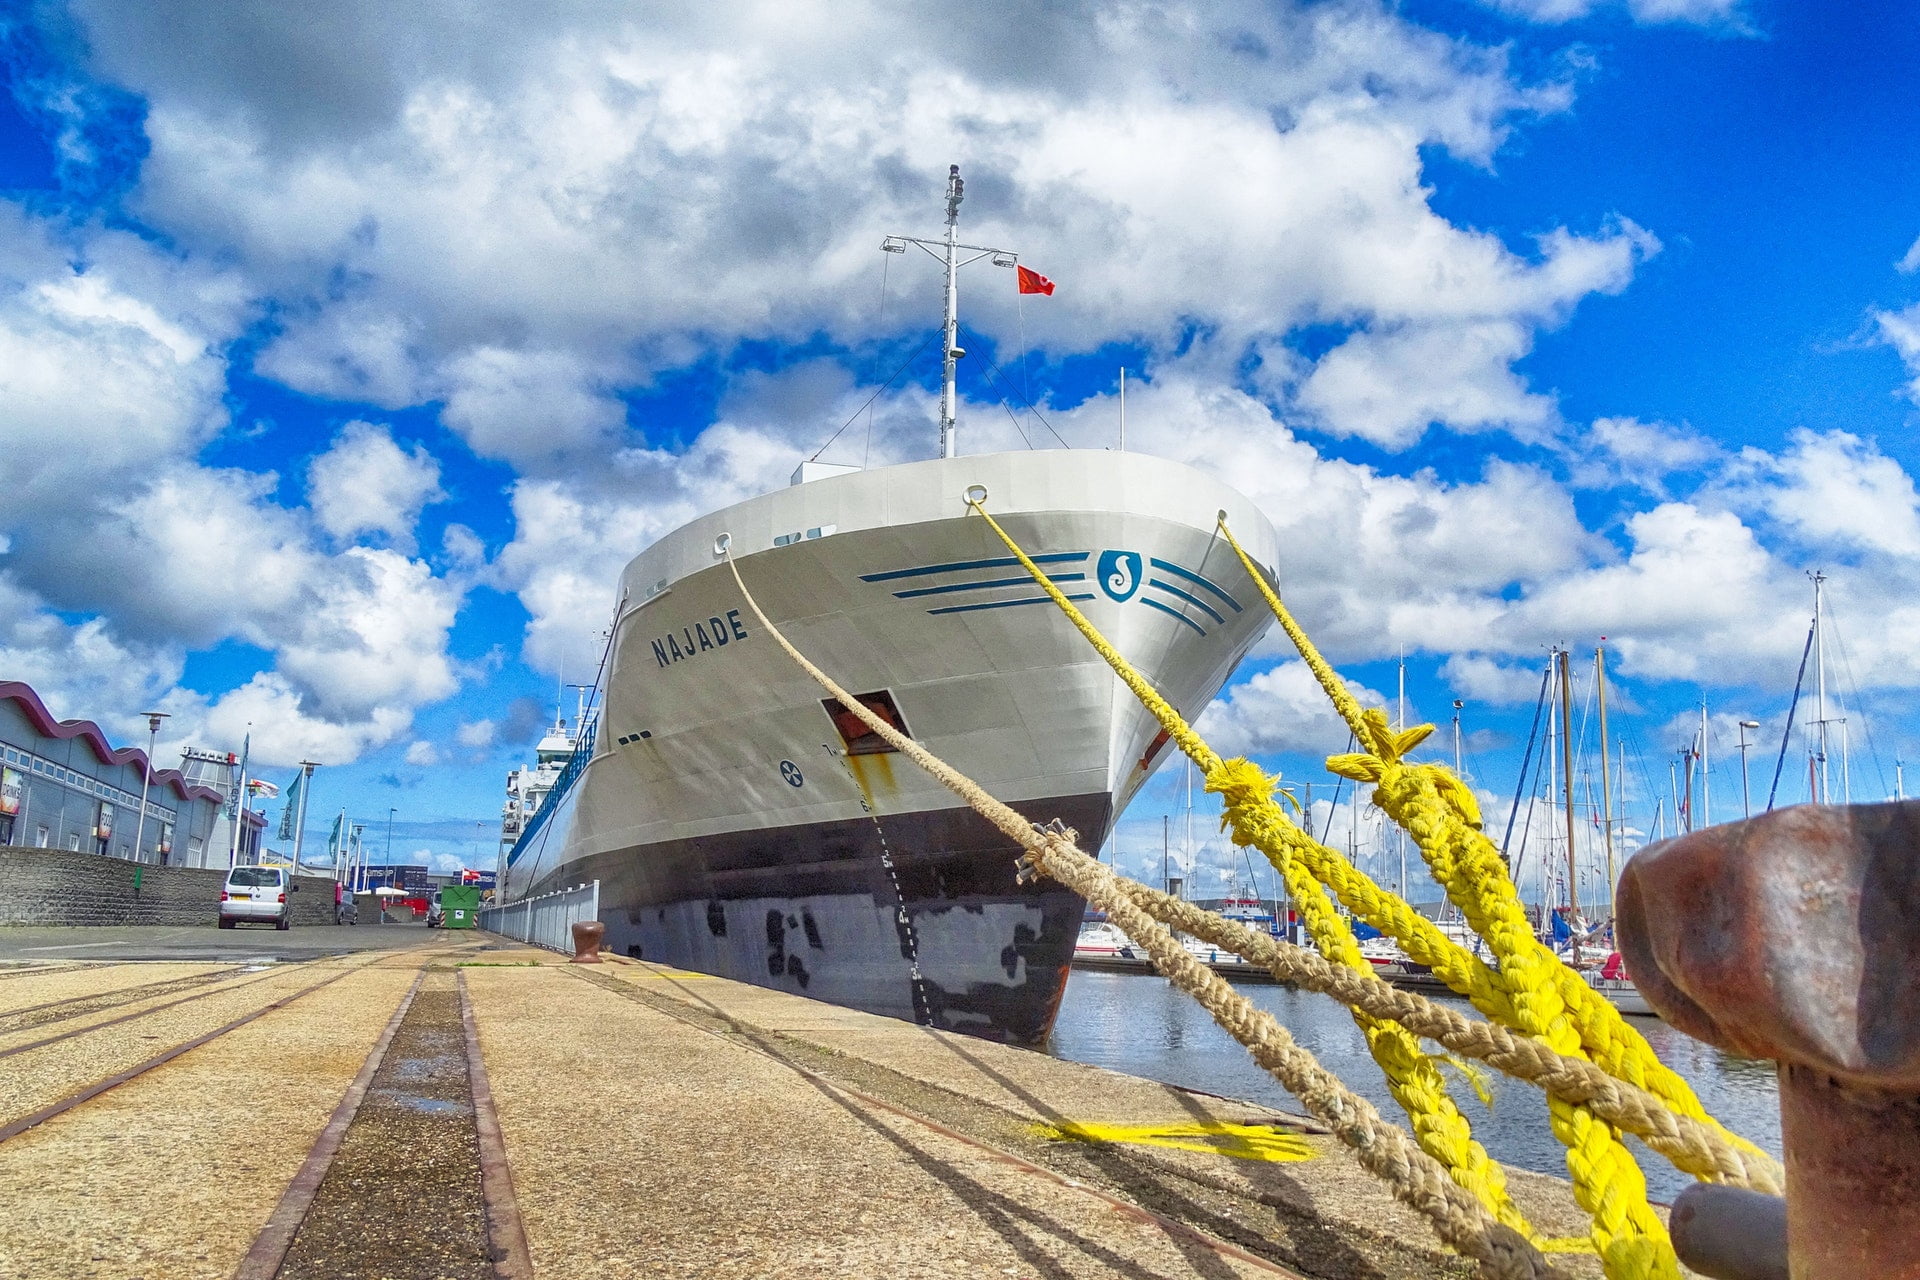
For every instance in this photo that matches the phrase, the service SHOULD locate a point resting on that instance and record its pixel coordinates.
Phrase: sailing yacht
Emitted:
(739, 824)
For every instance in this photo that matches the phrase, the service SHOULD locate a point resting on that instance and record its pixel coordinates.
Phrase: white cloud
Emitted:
(423, 753)
(477, 733)
(1480, 678)
(366, 483)
(1388, 385)
(284, 731)
(674, 187)
(1833, 491)
(111, 383)
(1280, 709)
(1726, 14)
(530, 408)
(1909, 261)
(1901, 331)
(1645, 455)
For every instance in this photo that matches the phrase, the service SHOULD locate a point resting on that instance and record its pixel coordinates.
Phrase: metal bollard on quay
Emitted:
(1796, 937)
(587, 936)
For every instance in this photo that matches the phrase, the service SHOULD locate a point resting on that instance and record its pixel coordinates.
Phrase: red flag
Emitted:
(1034, 282)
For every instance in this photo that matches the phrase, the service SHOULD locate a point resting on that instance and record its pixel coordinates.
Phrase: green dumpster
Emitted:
(460, 906)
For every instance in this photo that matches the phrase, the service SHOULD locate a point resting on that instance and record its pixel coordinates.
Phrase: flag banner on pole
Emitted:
(1034, 282)
(261, 787)
(333, 840)
(233, 804)
(292, 807)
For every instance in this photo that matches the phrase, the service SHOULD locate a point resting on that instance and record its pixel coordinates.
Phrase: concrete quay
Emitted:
(452, 1105)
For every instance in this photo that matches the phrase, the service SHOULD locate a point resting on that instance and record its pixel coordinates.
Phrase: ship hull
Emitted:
(722, 807)
(915, 915)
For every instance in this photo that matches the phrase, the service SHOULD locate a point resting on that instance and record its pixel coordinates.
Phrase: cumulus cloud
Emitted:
(112, 381)
(703, 179)
(1280, 709)
(366, 483)
(1644, 455)
(476, 733)
(1833, 491)
(423, 753)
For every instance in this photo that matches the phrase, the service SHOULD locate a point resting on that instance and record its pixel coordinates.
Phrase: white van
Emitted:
(256, 893)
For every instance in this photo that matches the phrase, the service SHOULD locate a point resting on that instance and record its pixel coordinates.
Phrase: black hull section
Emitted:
(816, 910)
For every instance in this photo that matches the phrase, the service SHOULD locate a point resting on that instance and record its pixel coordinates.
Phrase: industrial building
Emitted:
(64, 786)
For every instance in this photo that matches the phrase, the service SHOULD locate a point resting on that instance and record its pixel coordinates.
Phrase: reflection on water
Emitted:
(1139, 1024)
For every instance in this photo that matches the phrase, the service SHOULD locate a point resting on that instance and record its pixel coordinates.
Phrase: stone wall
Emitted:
(60, 887)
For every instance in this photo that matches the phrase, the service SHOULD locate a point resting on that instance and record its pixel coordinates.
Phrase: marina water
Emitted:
(1139, 1024)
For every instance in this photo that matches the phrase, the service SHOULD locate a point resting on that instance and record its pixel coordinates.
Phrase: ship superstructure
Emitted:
(529, 786)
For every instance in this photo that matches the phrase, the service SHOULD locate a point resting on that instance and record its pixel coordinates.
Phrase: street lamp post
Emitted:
(146, 777)
(1746, 789)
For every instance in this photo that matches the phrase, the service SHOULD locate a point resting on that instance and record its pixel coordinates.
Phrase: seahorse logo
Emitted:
(1119, 573)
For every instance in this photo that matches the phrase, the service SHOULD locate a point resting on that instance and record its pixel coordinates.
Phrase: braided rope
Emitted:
(1413, 1176)
(1412, 1077)
(1607, 1181)
(1693, 1145)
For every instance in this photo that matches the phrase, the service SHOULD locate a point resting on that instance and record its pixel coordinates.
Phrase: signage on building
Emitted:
(484, 879)
(103, 828)
(11, 787)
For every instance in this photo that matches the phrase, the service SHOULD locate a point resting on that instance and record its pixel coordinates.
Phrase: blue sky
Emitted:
(345, 356)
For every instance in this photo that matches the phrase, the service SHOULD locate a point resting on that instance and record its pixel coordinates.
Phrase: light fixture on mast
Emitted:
(947, 250)
(146, 777)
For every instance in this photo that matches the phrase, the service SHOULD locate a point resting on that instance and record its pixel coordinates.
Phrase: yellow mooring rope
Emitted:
(1528, 991)
(1413, 1176)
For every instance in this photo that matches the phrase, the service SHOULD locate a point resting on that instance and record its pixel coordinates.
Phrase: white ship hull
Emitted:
(731, 830)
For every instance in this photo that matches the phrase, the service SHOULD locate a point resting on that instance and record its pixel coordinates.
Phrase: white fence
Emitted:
(545, 921)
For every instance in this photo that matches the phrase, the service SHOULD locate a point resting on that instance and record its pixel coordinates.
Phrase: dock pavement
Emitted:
(458, 1107)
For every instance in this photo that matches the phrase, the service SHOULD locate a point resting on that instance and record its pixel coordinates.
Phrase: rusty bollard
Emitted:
(1796, 937)
(586, 941)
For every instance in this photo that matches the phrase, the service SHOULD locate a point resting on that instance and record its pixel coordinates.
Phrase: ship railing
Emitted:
(545, 921)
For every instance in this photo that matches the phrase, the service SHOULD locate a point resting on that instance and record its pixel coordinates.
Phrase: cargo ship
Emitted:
(740, 824)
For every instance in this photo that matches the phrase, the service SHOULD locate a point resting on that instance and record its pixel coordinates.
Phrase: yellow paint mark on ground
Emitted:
(1241, 1141)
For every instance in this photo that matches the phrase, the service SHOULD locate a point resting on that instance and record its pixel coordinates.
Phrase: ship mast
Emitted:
(1820, 692)
(956, 192)
(947, 249)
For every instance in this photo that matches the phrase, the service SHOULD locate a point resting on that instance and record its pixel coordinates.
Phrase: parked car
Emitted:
(257, 893)
(436, 914)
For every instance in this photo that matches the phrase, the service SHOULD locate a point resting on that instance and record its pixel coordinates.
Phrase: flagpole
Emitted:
(300, 822)
(240, 800)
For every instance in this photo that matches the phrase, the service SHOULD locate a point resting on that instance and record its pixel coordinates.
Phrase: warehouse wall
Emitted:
(59, 887)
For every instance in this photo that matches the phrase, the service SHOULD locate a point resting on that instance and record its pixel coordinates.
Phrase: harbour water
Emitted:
(1139, 1024)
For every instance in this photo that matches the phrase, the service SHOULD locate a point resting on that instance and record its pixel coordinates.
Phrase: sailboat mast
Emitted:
(1820, 692)
(1553, 771)
(1706, 778)
(1399, 835)
(1566, 771)
(949, 427)
(1606, 765)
